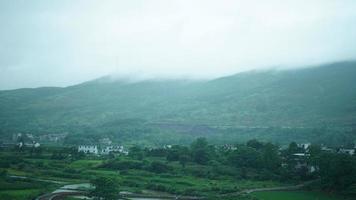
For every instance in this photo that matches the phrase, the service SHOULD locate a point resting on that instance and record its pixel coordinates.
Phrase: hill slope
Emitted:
(310, 97)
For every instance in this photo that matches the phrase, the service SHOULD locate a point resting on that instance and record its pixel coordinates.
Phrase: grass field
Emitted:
(178, 180)
(19, 194)
(133, 175)
(295, 195)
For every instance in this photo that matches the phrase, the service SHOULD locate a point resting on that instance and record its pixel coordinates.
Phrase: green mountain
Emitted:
(313, 97)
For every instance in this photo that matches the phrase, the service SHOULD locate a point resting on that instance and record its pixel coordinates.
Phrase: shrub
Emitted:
(158, 167)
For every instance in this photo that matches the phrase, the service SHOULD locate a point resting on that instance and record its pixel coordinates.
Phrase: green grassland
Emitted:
(177, 181)
(193, 179)
(19, 194)
(296, 195)
(18, 189)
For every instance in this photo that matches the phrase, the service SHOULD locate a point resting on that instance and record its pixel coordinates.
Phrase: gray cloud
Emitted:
(59, 43)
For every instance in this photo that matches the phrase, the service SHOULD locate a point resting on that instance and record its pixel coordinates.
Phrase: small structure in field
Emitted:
(102, 150)
(112, 149)
(347, 151)
(304, 146)
(93, 149)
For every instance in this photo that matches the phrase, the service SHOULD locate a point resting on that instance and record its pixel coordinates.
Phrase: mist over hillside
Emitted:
(316, 97)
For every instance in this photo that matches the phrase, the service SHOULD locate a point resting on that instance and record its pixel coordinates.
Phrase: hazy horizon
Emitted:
(132, 78)
(61, 43)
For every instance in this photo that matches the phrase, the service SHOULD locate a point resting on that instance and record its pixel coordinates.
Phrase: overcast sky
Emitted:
(64, 42)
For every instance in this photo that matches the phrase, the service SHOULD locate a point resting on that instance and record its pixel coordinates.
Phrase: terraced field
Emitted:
(295, 195)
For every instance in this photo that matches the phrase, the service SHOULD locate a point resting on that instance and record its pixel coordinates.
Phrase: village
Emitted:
(105, 146)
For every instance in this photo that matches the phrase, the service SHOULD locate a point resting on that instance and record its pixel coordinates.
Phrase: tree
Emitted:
(289, 155)
(183, 159)
(337, 171)
(315, 152)
(156, 152)
(38, 151)
(293, 148)
(106, 188)
(255, 144)
(3, 173)
(270, 157)
(136, 152)
(173, 153)
(200, 151)
(245, 156)
(75, 154)
(158, 167)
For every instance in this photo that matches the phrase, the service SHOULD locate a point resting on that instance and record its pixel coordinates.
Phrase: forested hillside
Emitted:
(315, 97)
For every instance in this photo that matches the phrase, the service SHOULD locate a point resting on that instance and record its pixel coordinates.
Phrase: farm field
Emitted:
(46, 174)
(296, 195)
(198, 170)
(19, 194)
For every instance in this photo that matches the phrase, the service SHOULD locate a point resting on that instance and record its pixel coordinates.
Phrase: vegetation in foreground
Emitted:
(295, 195)
(19, 189)
(200, 169)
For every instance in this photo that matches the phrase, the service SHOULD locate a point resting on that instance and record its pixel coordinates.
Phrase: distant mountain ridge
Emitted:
(310, 97)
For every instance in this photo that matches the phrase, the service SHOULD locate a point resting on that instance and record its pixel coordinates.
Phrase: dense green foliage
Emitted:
(278, 106)
(151, 171)
(105, 188)
(280, 195)
(338, 172)
(18, 188)
(199, 169)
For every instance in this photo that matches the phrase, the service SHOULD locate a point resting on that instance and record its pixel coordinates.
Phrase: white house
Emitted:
(325, 148)
(36, 145)
(106, 150)
(103, 150)
(304, 146)
(229, 147)
(33, 144)
(88, 149)
(347, 151)
(167, 146)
